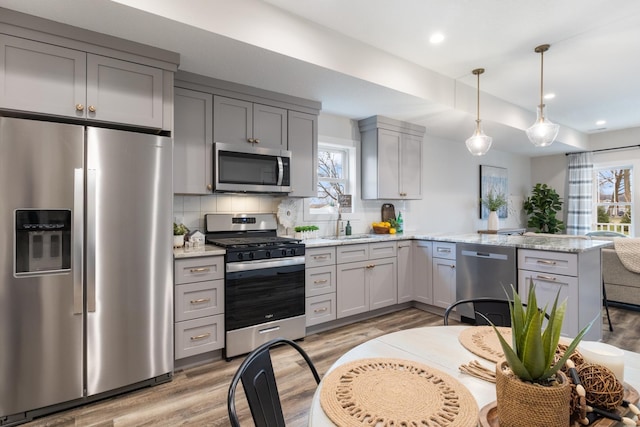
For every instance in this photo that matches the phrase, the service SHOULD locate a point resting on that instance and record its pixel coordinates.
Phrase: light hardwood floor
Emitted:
(197, 396)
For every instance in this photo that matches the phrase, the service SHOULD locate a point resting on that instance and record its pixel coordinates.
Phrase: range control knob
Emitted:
(240, 256)
(293, 252)
(267, 254)
(284, 252)
(250, 255)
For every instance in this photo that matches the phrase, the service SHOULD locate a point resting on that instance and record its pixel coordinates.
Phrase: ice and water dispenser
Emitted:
(43, 241)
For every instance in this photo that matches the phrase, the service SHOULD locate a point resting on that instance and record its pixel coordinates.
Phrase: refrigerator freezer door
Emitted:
(129, 258)
(40, 336)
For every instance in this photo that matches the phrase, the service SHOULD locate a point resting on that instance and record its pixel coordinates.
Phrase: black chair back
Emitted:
(259, 384)
(495, 309)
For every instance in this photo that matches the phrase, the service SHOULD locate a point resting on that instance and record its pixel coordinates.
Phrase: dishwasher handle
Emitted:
(485, 255)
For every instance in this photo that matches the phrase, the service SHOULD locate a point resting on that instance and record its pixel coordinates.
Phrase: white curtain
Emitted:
(580, 203)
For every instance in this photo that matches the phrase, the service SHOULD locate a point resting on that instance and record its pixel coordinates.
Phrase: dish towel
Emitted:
(628, 250)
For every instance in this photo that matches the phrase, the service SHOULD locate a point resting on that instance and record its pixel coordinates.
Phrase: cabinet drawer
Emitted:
(548, 262)
(320, 280)
(444, 250)
(382, 250)
(320, 309)
(320, 256)
(199, 336)
(352, 253)
(199, 269)
(199, 299)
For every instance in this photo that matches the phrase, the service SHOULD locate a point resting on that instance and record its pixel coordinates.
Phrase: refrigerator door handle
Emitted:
(78, 237)
(91, 240)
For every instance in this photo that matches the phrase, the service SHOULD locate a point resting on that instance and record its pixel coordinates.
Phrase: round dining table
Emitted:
(437, 347)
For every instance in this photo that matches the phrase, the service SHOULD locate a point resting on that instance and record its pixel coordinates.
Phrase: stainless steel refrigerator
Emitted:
(86, 297)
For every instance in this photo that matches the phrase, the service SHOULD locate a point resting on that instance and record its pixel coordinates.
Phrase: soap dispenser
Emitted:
(400, 223)
(348, 229)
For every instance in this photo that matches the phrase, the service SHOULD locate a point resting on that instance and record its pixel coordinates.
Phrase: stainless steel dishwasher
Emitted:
(484, 271)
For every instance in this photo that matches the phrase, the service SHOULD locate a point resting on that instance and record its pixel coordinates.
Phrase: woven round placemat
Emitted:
(483, 341)
(395, 392)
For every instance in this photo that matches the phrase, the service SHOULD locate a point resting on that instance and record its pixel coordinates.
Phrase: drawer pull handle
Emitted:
(200, 337)
(199, 270)
(547, 278)
(267, 330)
(320, 257)
(320, 281)
(370, 266)
(200, 300)
(546, 262)
(452, 266)
(444, 250)
(320, 310)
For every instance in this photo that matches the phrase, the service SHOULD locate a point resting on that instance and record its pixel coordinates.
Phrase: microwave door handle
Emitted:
(280, 170)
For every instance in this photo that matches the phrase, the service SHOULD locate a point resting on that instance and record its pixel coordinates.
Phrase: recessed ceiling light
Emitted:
(601, 122)
(550, 96)
(436, 38)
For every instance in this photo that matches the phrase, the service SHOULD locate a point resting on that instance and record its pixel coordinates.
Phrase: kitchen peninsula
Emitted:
(571, 266)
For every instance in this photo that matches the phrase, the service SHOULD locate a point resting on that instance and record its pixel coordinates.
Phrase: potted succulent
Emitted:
(542, 207)
(493, 201)
(179, 230)
(530, 388)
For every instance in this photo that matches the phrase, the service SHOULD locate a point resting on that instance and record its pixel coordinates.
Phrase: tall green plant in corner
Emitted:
(542, 207)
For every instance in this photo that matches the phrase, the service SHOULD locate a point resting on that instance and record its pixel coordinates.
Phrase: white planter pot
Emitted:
(493, 223)
(178, 241)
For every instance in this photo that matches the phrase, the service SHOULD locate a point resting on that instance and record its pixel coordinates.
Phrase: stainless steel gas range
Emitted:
(264, 280)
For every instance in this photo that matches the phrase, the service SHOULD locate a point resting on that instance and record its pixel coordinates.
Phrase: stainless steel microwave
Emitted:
(239, 169)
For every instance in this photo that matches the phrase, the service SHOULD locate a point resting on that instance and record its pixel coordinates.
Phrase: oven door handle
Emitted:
(232, 267)
(280, 171)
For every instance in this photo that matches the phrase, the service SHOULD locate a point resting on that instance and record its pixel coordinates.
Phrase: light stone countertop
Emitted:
(207, 250)
(542, 242)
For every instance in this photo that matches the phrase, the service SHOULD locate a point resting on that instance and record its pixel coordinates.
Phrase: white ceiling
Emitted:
(367, 57)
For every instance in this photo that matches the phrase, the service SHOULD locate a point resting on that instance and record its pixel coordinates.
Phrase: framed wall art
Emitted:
(493, 179)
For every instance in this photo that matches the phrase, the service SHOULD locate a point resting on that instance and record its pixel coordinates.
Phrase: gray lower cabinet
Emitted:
(367, 277)
(303, 143)
(320, 285)
(577, 277)
(444, 274)
(54, 80)
(405, 271)
(422, 271)
(192, 142)
(199, 305)
(242, 122)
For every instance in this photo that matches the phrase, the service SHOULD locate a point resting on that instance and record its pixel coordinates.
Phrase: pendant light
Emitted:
(478, 144)
(542, 133)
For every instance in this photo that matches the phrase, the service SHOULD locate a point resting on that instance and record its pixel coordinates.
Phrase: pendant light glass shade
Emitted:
(478, 144)
(543, 132)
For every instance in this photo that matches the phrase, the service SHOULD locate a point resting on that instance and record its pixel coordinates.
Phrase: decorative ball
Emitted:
(603, 389)
(576, 357)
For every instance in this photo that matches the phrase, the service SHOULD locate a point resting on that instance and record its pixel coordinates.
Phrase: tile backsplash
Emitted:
(190, 210)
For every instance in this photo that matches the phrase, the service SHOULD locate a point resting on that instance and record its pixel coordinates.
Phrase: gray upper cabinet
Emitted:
(192, 142)
(43, 78)
(123, 92)
(243, 122)
(391, 159)
(303, 143)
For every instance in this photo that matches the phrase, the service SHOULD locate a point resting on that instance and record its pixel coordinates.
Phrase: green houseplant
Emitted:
(493, 201)
(542, 207)
(530, 374)
(179, 230)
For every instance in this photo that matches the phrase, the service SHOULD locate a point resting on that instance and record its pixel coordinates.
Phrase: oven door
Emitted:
(263, 291)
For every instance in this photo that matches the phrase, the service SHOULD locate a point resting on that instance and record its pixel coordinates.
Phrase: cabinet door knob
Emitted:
(79, 107)
(257, 141)
(209, 187)
(92, 108)
(251, 140)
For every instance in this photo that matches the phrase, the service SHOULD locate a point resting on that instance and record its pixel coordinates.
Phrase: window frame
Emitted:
(620, 165)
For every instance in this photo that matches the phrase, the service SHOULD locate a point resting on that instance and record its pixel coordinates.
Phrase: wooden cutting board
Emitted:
(388, 211)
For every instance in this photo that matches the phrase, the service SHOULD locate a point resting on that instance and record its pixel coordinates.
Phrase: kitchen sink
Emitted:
(352, 237)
